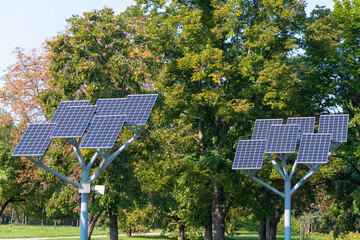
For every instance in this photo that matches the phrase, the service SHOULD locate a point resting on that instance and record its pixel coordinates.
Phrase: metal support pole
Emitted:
(287, 217)
(84, 207)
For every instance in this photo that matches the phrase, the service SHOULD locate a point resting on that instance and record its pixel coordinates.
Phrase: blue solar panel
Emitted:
(282, 138)
(103, 132)
(137, 108)
(35, 141)
(249, 154)
(109, 106)
(73, 122)
(65, 104)
(262, 126)
(314, 148)
(307, 124)
(337, 125)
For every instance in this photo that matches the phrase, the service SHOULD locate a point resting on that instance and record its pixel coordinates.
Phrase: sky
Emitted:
(28, 24)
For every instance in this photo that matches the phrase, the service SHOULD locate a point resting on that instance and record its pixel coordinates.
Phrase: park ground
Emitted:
(100, 233)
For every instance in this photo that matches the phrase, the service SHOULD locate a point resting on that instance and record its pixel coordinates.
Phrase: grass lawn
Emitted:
(63, 231)
(48, 231)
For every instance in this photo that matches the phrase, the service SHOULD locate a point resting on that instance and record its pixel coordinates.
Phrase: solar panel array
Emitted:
(314, 148)
(35, 141)
(249, 154)
(337, 125)
(73, 122)
(282, 138)
(59, 111)
(307, 124)
(137, 108)
(262, 126)
(109, 106)
(103, 132)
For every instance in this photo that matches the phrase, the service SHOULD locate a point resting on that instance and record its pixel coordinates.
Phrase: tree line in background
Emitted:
(218, 66)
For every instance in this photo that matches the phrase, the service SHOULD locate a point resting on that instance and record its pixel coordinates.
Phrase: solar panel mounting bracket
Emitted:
(107, 160)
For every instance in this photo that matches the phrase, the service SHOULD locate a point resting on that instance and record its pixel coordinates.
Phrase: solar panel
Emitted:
(73, 122)
(137, 108)
(337, 125)
(109, 106)
(249, 154)
(35, 141)
(103, 132)
(307, 124)
(65, 104)
(282, 138)
(261, 128)
(314, 148)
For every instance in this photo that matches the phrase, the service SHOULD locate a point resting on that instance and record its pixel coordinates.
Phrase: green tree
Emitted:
(101, 55)
(226, 63)
(332, 56)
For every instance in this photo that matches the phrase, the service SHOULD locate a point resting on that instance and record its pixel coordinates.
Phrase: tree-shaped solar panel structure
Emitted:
(278, 141)
(87, 126)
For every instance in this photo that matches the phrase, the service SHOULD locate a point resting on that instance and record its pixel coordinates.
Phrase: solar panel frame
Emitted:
(282, 138)
(138, 108)
(307, 124)
(109, 106)
(35, 141)
(337, 125)
(73, 122)
(103, 132)
(314, 148)
(65, 104)
(249, 154)
(262, 126)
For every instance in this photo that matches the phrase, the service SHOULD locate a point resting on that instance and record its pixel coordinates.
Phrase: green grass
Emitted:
(48, 231)
(64, 231)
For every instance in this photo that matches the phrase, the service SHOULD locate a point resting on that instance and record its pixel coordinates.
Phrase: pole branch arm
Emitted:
(54, 172)
(93, 159)
(276, 166)
(293, 170)
(305, 177)
(79, 154)
(265, 185)
(107, 162)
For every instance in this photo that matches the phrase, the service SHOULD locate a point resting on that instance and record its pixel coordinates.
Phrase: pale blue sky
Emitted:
(28, 23)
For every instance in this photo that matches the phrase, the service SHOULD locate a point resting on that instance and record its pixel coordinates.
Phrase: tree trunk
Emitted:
(2, 209)
(208, 232)
(218, 214)
(113, 225)
(12, 217)
(181, 231)
(16, 218)
(272, 225)
(91, 223)
(262, 229)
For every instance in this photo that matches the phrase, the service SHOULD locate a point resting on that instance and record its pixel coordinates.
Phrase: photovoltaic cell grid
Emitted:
(35, 141)
(137, 108)
(73, 122)
(103, 132)
(65, 104)
(307, 124)
(249, 154)
(262, 126)
(282, 138)
(109, 106)
(314, 148)
(337, 125)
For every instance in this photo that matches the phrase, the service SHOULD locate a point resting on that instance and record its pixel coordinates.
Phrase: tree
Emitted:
(23, 82)
(332, 54)
(226, 63)
(100, 55)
